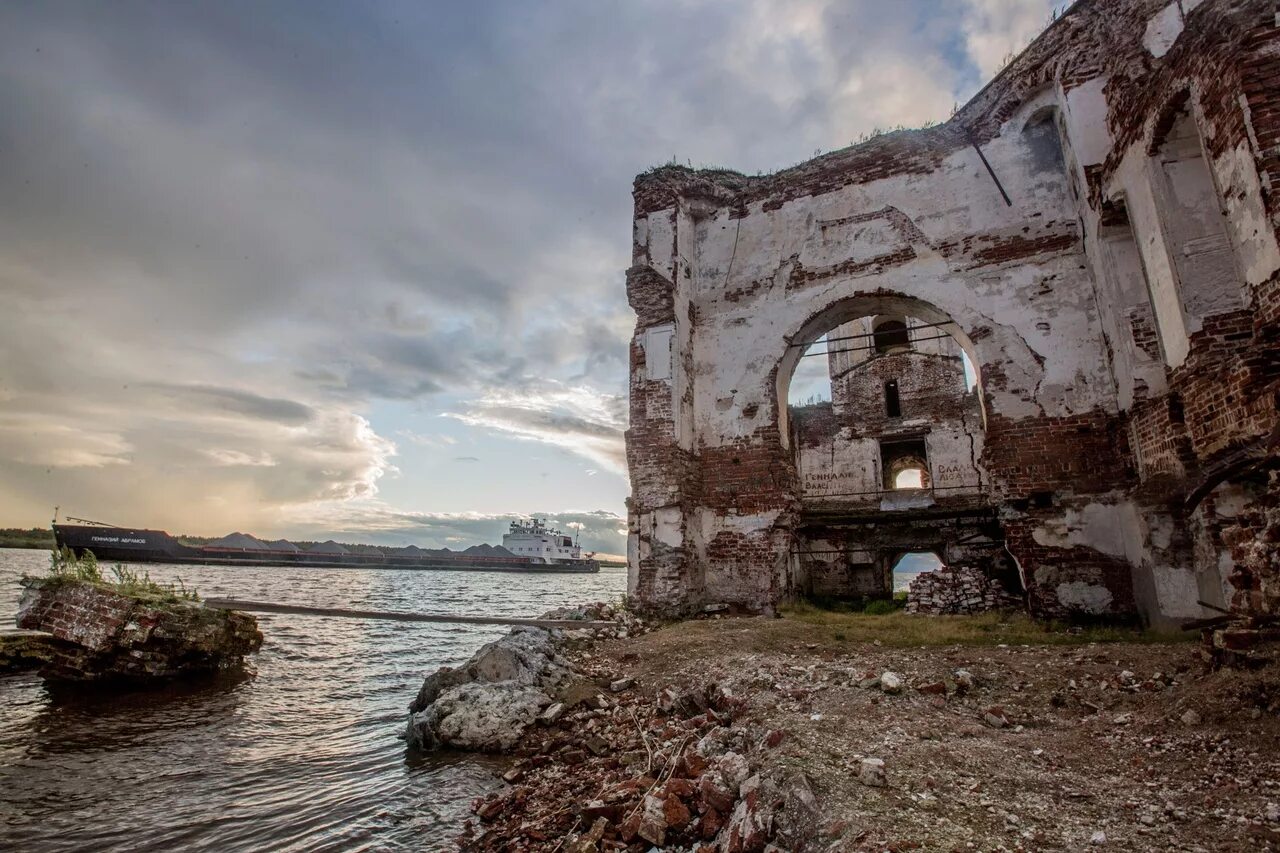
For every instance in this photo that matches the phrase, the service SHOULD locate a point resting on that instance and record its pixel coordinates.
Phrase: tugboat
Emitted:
(537, 541)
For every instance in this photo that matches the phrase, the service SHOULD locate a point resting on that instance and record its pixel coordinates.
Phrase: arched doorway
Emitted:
(888, 460)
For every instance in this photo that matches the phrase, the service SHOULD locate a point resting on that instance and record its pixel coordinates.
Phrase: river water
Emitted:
(301, 755)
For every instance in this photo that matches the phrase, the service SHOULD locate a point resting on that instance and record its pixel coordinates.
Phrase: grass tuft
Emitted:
(66, 567)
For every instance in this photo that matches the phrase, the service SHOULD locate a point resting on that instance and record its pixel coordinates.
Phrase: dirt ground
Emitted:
(1060, 743)
(1002, 735)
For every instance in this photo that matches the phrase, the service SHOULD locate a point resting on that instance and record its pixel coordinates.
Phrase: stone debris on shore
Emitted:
(487, 703)
(610, 765)
(755, 734)
(671, 770)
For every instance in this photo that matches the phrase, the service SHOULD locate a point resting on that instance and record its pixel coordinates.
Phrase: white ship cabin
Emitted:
(535, 540)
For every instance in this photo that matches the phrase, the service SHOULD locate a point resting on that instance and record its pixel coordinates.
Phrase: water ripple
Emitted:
(302, 755)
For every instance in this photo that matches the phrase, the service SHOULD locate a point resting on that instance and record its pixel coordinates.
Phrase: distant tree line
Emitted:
(17, 537)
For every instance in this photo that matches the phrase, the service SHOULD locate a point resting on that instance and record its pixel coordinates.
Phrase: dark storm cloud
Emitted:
(236, 401)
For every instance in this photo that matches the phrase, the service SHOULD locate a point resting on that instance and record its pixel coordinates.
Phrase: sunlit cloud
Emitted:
(577, 419)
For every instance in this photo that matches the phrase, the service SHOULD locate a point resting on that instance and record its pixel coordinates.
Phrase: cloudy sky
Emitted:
(308, 268)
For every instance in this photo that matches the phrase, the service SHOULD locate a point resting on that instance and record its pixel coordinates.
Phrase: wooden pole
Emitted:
(301, 610)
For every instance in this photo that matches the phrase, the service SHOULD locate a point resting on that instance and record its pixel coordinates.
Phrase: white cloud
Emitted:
(33, 440)
(995, 30)
(576, 418)
(234, 458)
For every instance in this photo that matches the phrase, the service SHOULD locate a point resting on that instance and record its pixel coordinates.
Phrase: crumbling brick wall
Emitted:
(108, 635)
(1112, 395)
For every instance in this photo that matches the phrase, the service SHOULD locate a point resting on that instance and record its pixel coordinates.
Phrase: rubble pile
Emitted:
(622, 769)
(486, 704)
(104, 634)
(1249, 635)
(956, 589)
(628, 623)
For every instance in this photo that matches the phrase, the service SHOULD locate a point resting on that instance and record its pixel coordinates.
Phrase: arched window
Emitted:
(904, 464)
(1194, 225)
(909, 478)
(891, 336)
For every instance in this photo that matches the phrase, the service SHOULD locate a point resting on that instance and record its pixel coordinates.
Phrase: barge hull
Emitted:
(157, 546)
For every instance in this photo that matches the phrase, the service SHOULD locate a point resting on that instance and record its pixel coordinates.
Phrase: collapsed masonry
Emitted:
(1096, 232)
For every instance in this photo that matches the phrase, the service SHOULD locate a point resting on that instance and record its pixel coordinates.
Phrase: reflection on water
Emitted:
(302, 753)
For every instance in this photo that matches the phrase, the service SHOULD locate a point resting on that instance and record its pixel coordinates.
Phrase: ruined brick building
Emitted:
(1096, 232)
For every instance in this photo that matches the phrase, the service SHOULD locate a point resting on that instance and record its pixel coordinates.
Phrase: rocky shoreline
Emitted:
(600, 764)
(779, 734)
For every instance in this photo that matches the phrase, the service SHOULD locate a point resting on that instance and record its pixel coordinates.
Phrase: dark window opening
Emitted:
(891, 335)
(892, 403)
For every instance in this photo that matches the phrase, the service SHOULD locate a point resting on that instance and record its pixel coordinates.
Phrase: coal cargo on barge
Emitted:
(156, 546)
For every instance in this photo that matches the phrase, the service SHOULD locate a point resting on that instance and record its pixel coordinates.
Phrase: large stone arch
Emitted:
(837, 309)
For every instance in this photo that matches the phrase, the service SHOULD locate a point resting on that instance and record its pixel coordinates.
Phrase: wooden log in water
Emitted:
(302, 610)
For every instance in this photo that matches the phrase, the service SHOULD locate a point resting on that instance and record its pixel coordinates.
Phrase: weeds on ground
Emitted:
(65, 566)
(897, 628)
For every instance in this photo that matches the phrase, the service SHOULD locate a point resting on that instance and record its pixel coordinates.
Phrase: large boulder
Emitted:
(525, 656)
(486, 704)
(107, 634)
(479, 716)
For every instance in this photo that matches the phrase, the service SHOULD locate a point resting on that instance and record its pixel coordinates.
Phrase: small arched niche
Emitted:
(890, 334)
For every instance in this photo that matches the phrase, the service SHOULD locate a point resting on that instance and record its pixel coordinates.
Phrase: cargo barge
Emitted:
(555, 553)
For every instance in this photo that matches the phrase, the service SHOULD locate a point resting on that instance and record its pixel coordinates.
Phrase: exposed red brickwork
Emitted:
(1018, 248)
(1084, 454)
(1255, 548)
(651, 296)
(1159, 435)
(748, 476)
(108, 635)
(930, 387)
(1142, 328)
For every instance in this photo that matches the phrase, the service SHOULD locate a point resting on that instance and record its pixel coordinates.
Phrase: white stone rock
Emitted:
(477, 716)
(871, 773)
(734, 768)
(891, 682)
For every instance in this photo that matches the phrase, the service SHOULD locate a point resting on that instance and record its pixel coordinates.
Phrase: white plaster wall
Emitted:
(843, 468)
(1085, 117)
(1133, 179)
(1123, 289)
(1096, 525)
(953, 460)
(1252, 235)
(1045, 335)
